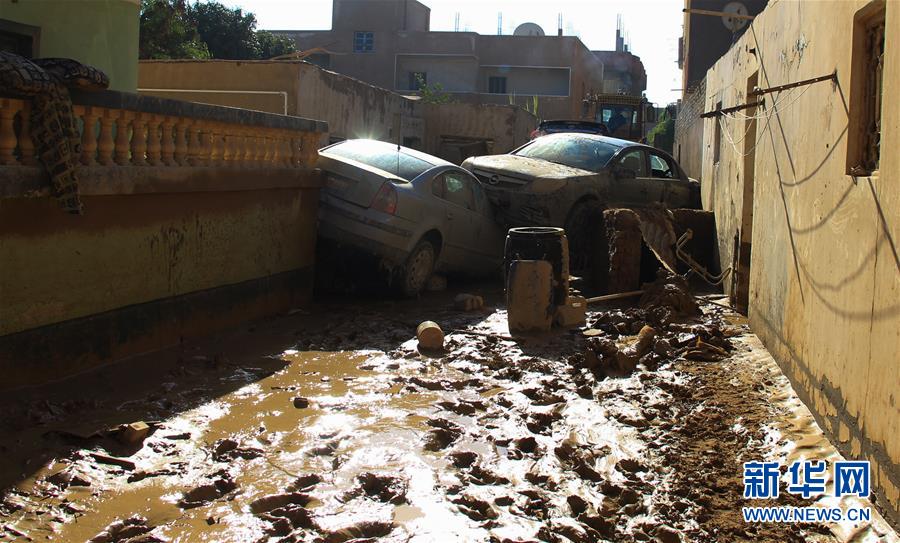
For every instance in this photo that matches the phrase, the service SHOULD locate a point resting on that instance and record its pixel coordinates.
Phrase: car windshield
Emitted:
(571, 150)
(383, 157)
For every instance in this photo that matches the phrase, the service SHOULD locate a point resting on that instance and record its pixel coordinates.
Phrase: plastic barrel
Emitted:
(541, 243)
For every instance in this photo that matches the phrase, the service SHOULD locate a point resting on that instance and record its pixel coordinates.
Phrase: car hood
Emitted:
(522, 168)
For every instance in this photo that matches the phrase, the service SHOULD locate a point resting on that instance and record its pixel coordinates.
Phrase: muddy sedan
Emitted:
(563, 179)
(415, 212)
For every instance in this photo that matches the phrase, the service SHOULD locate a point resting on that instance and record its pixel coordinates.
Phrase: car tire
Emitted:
(418, 269)
(586, 233)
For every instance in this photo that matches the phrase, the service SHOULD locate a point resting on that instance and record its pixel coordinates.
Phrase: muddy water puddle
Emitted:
(544, 439)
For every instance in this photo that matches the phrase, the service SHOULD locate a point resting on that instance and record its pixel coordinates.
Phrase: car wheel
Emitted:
(586, 234)
(418, 269)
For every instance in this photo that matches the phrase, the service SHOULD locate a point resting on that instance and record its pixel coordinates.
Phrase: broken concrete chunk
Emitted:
(131, 434)
(68, 477)
(468, 302)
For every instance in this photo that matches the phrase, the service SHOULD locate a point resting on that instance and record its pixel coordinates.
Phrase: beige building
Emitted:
(807, 201)
(352, 108)
(388, 43)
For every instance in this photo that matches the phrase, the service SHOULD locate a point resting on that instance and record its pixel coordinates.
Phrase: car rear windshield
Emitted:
(571, 150)
(381, 156)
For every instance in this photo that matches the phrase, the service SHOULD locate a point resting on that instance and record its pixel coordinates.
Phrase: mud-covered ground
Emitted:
(329, 425)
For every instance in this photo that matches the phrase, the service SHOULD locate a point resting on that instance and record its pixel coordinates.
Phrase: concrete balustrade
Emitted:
(196, 218)
(145, 134)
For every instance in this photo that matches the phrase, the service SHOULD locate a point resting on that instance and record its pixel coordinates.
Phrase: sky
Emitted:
(652, 26)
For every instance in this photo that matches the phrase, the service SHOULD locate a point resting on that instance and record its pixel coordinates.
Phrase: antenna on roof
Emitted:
(456, 23)
(559, 31)
(499, 23)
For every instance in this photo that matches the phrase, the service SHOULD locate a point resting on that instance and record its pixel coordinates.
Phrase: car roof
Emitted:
(605, 139)
(392, 148)
(567, 121)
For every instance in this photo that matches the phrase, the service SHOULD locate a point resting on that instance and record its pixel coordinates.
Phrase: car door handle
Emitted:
(449, 216)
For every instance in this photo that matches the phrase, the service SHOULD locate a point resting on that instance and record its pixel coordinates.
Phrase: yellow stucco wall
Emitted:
(825, 273)
(103, 33)
(133, 249)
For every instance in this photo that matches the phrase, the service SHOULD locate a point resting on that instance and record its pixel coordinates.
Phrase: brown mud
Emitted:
(331, 426)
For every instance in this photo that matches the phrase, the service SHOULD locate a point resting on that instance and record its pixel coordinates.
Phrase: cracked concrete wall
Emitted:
(824, 271)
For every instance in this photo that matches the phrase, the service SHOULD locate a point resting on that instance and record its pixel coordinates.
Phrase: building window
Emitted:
(497, 85)
(867, 68)
(19, 38)
(417, 80)
(363, 42)
(717, 142)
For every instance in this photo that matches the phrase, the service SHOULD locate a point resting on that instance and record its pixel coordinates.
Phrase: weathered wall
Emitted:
(103, 33)
(688, 148)
(352, 108)
(258, 85)
(139, 271)
(824, 281)
(506, 127)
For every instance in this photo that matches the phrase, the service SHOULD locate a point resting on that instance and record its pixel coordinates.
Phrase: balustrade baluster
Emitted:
(26, 143)
(8, 110)
(154, 142)
(182, 135)
(122, 145)
(139, 140)
(105, 144)
(89, 137)
(167, 148)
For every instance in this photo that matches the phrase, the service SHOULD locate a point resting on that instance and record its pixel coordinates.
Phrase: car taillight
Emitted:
(386, 199)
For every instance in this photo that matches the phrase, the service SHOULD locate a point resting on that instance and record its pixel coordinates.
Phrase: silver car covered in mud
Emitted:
(413, 211)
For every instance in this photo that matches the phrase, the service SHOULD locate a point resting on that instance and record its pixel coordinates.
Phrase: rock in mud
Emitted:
(669, 298)
(68, 477)
(443, 434)
(274, 501)
(300, 402)
(463, 459)
(468, 302)
(228, 449)
(305, 482)
(363, 531)
(221, 484)
(122, 530)
(298, 515)
(475, 508)
(383, 487)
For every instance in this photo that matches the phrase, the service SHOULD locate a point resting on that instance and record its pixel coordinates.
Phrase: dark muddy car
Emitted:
(564, 179)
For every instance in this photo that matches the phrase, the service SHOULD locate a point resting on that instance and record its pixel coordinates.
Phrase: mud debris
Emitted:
(632, 432)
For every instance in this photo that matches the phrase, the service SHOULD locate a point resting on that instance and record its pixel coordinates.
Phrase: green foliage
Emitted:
(432, 94)
(180, 29)
(663, 134)
(166, 31)
(529, 107)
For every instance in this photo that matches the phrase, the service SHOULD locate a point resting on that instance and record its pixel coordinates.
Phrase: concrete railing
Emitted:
(127, 130)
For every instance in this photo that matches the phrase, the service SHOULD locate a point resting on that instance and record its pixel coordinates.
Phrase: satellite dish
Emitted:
(733, 23)
(528, 29)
